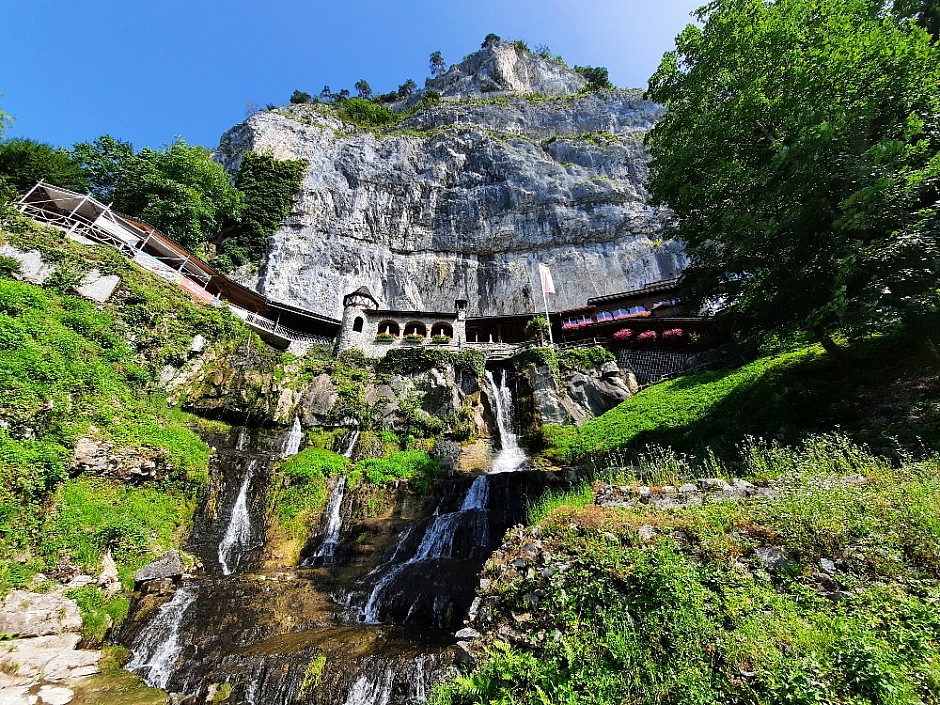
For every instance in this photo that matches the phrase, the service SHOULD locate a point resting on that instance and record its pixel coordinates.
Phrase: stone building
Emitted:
(375, 331)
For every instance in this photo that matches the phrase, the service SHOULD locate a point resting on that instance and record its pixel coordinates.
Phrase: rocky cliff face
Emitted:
(464, 199)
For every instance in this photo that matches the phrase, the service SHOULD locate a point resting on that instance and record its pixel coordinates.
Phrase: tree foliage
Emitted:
(437, 65)
(363, 89)
(267, 187)
(178, 189)
(407, 88)
(365, 113)
(799, 153)
(23, 162)
(597, 77)
(300, 97)
(490, 40)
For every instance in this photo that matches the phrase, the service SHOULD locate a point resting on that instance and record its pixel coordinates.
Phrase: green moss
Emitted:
(414, 465)
(99, 613)
(300, 488)
(585, 358)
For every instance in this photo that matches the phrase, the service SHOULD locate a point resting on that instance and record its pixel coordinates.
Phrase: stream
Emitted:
(369, 614)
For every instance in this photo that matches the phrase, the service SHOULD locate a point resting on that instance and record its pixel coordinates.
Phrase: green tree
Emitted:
(924, 12)
(5, 122)
(799, 153)
(178, 189)
(102, 162)
(490, 40)
(407, 88)
(326, 95)
(267, 187)
(23, 162)
(597, 77)
(300, 97)
(437, 65)
(363, 89)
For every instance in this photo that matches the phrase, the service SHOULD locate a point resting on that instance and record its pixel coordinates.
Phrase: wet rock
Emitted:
(30, 614)
(828, 565)
(467, 633)
(463, 655)
(169, 565)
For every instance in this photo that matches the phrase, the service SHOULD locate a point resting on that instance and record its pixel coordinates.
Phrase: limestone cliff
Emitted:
(463, 199)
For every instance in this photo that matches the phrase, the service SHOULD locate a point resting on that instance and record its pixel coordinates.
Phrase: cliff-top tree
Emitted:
(490, 40)
(300, 97)
(799, 153)
(363, 89)
(406, 88)
(437, 65)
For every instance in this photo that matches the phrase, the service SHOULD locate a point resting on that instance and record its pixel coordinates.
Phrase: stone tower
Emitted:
(355, 329)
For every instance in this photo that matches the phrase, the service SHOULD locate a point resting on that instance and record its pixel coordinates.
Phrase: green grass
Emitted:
(99, 613)
(69, 369)
(302, 491)
(690, 617)
(881, 394)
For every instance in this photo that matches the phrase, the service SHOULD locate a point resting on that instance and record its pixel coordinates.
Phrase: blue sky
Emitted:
(147, 71)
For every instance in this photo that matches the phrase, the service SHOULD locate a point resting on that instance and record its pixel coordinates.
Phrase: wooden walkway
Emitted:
(81, 217)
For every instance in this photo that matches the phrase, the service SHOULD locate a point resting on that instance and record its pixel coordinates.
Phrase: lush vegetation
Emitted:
(691, 614)
(786, 396)
(414, 465)
(178, 189)
(71, 370)
(300, 498)
(799, 151)
(23, 162)
(267, 186)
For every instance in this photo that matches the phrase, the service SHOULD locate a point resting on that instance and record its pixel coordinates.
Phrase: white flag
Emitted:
(548, 286)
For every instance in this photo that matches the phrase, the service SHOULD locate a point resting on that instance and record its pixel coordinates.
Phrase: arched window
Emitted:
(416, 328)
(388, 328)
(442, 330)
(357, 326)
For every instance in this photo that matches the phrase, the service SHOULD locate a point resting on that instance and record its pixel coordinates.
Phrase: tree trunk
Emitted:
(829, 345)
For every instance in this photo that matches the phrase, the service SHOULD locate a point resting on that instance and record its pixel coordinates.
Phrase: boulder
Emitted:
(169, 565)
(774, 559)
(29, 614)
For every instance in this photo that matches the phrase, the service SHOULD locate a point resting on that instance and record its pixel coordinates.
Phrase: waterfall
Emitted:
(157, 648)
(353, 438)
(326, 551)
(292, 442)
(242, 441)
(438, 541)
(238, 533)
(372, 690)
(510, 457)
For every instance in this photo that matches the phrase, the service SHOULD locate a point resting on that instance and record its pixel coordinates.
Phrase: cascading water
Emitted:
(325, 554)
(353, 439)
(386, 636)
(292, 442)
(238, 534)
(155, 653)
(510, 457)
(438, 542)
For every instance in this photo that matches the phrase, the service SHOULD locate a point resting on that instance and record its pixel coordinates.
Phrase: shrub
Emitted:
(597, 77)
(313, 463)
(365, 113)
(300, 97)
(9, 266)
(490, 40)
